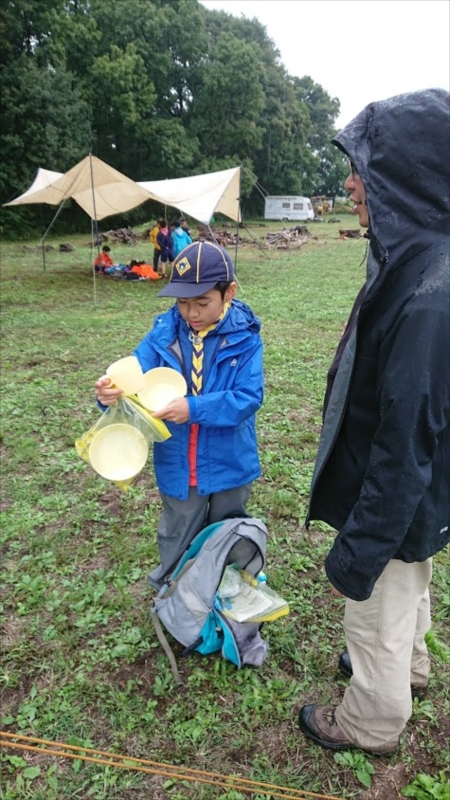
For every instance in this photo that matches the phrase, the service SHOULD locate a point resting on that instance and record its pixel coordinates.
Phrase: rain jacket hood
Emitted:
(180, 240)
(240, 322)
(401, 149)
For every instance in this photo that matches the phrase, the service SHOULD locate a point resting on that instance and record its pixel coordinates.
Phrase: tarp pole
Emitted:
(214, 238)
(41, 243)
(256, 241)
(237, 222)
(236, 243)
(92, 262)
(212, 233)
(95, 226)
(42, 229)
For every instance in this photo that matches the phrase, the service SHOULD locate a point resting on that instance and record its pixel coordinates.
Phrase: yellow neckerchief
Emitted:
(197, 338)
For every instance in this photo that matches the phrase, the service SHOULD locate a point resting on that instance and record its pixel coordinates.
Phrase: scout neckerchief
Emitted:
(196, 338)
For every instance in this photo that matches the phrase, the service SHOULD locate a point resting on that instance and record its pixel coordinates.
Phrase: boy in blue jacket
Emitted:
(205, 470)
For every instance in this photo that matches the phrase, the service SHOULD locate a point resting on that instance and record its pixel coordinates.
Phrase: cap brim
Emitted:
(178, 289)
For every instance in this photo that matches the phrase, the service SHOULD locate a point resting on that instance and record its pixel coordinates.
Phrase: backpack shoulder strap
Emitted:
(165, 645)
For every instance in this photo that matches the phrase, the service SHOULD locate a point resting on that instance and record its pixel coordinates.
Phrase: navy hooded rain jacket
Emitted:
(382, 476)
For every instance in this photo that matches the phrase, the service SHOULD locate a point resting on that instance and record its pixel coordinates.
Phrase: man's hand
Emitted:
(336, 592)
(176, 411)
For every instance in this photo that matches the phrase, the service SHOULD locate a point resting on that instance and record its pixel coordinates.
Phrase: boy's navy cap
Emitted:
(197, 269)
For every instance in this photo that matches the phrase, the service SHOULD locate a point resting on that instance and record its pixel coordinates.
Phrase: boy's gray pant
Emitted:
(181, 520)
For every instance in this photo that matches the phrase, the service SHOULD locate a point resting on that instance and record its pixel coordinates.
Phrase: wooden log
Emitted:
(351, 233)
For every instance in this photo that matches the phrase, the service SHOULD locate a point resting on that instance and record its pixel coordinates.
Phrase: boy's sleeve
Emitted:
(146, 354)
(230, 407)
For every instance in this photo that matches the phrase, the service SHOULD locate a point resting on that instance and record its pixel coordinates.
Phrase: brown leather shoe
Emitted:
(345, 666)
(318, 723)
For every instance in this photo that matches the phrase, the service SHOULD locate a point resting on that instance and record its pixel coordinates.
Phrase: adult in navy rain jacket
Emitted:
(205, 470)
(382, 471)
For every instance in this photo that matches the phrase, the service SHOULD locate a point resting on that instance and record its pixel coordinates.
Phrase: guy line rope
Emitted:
(271, 790)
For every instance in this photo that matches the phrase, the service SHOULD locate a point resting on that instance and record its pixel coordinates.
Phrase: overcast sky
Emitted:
(357, 50)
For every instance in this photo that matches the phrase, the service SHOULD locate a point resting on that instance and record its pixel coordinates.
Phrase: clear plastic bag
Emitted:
(117, 446)
(231, 583)
(242, 598)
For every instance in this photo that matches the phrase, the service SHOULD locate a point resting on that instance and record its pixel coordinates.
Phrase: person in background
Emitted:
(164, 239)
(103, 260)
(205, 470)
(185, 226)
(153, 235)
(180, 238)
(382, 472)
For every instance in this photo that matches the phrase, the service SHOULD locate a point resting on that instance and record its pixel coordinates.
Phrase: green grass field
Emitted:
(81, 661)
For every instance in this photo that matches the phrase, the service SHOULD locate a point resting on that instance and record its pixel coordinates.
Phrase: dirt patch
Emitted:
(271, 742)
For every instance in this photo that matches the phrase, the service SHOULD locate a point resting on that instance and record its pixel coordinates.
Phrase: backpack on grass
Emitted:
(187, 603)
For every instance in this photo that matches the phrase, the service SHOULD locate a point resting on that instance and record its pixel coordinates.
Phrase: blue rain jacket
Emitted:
(180, 240)
(233, 387)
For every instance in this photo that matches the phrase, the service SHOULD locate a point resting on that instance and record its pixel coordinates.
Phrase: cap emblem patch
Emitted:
(182, 266)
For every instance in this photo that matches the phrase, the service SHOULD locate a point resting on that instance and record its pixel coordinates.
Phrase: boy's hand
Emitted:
(176, 411)
(106, 394)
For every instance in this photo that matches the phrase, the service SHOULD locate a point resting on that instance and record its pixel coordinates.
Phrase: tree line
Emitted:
(157, 89)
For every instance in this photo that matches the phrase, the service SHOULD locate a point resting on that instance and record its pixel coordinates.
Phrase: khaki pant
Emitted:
(385, 639)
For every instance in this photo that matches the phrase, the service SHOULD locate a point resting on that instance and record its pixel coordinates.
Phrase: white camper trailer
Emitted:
(288, 207)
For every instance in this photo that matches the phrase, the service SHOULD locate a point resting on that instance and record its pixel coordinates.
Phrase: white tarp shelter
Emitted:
(200, 196)
(102, 191)
(44, 178)
(99, 189)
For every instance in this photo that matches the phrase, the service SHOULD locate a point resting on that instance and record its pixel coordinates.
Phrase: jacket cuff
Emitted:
(193, 408)
(346, 579)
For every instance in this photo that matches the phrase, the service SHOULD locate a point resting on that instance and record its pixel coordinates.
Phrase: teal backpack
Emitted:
(187, 603)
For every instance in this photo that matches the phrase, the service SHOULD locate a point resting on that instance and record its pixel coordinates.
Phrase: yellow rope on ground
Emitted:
(156, 768)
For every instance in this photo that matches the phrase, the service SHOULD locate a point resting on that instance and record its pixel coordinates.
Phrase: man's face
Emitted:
(355, 185)
(202, 311)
